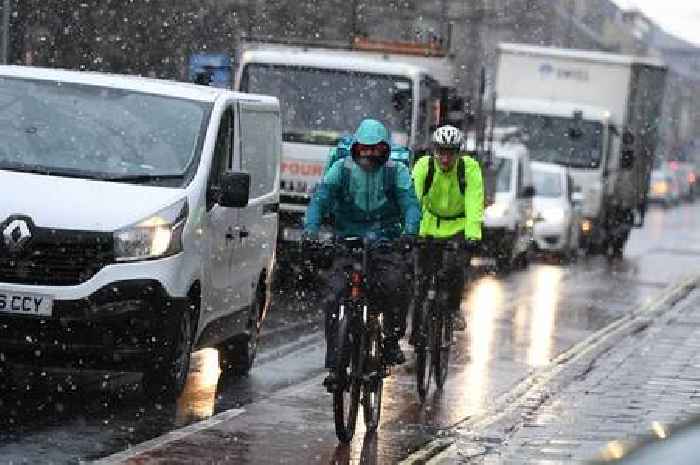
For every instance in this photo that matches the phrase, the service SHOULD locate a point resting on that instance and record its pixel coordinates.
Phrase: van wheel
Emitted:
(167, 376)
(236, 356)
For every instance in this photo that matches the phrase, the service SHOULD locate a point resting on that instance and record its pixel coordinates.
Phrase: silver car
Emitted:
(557, 215)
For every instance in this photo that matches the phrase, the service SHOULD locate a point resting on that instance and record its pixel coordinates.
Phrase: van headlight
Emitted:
(158, 236)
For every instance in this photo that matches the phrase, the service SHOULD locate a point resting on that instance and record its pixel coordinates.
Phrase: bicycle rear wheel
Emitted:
(374, 382)
(443, 342)
(424, 350)
(349, 375)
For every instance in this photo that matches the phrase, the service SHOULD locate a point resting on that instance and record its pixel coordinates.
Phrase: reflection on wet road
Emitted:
(198, 399)
(544, 312)
(515, 324)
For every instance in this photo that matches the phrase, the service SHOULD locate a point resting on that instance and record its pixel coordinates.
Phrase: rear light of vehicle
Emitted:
(356, 283)
(692, 178)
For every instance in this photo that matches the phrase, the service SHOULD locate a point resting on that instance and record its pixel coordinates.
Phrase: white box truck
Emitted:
(597, 114)
(324, 93)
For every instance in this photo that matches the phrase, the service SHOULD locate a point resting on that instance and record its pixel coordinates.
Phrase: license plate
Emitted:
(24, 303)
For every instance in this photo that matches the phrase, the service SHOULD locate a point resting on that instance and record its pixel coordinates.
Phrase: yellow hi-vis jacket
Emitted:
(445, 211)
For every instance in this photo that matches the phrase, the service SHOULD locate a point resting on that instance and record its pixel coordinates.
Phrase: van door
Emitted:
(221, 286)
(260, 149)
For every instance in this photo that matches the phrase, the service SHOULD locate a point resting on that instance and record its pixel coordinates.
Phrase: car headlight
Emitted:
(497, 210)
(660, 187)
(158, 236)
(554, 215)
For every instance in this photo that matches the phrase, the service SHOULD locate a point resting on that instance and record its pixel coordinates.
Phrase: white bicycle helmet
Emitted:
(448, 137)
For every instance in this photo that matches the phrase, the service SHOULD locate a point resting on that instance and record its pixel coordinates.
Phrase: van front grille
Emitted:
(54, 257)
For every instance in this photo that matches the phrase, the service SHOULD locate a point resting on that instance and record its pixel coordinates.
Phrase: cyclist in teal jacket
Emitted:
(371, 197)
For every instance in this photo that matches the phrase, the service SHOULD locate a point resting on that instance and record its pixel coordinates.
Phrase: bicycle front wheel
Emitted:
(346, 398)
(374, 377)
(424, 350)
(443, 342)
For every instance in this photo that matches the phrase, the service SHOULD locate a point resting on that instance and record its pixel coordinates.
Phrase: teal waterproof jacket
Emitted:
(366, 203)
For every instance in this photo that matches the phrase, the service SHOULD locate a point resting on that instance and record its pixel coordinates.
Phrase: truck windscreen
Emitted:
(565, 141)
(320, 105)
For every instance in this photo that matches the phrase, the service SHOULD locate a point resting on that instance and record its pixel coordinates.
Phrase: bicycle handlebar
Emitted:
(449, 243)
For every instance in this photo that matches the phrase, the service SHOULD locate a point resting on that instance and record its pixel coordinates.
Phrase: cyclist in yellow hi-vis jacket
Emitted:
(450, 189)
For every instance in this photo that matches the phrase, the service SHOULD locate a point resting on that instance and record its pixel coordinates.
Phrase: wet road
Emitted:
(280, 413)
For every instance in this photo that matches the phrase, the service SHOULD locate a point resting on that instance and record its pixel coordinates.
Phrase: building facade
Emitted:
(156, 37)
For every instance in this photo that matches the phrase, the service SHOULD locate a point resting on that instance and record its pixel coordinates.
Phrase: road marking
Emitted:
(512, 400)
(172, 436)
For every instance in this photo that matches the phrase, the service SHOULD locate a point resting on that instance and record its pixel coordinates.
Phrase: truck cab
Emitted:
(597, 114)
(578, 137)
(324, 94)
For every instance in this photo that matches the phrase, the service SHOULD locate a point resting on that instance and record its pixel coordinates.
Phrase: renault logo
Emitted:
(16, 234)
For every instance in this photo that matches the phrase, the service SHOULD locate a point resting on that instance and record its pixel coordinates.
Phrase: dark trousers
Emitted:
(452, 277)
(388, 291)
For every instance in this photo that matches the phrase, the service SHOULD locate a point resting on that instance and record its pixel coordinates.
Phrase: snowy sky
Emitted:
(678, 17)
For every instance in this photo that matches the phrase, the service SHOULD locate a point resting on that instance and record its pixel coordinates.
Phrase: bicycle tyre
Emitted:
(349, 383)
(424, 351)
(443, 343)
(374, 384)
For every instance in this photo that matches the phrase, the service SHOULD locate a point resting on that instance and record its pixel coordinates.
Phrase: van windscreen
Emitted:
(98, 132)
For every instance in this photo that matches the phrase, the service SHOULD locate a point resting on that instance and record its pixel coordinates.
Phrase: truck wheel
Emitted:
(167, 376)
(236, 356)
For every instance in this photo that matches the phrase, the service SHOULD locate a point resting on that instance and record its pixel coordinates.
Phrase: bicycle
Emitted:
(434, 323)
(360, 365)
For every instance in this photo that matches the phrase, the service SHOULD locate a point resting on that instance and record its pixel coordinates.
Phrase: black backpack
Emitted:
(428, 181)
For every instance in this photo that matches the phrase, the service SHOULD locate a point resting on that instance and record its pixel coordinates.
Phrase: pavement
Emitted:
(639, 379)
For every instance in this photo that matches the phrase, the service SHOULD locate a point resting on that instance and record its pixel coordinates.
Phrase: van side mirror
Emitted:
(627, 151)
(234, 189)
(527, 192)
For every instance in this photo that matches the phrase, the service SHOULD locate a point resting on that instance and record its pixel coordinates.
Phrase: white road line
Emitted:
(167, 438)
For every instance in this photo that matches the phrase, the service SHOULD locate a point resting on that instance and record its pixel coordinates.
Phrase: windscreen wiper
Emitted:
(141, 177)
(39, 169)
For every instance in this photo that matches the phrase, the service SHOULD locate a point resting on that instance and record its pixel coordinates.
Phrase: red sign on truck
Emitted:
(297, 168)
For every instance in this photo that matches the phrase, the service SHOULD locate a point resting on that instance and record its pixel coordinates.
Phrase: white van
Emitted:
(508, 221)
(138, 221)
